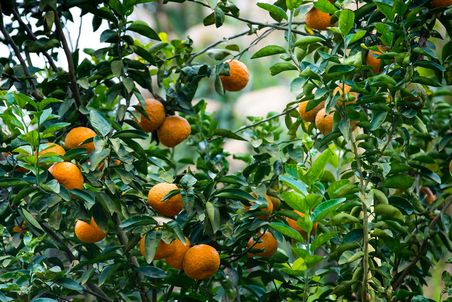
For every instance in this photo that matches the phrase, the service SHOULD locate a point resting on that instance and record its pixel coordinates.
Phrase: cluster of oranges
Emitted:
(171, 130)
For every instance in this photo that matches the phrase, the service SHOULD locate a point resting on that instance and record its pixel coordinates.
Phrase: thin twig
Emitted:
(32, 36)
(70, 62)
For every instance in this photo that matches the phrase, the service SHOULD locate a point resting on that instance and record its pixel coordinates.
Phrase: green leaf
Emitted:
(219, 16)
(377, 119)
(214, 216)
(234, 194)
(143, 29)
(152, 272)
(268, 50)
(358, 35)
(323, 209)
(318, 166)
(325, 6)
(346, 21)
(400, 181)
(293, 4)
(286, 231)
(337, 71)
(70, 284)
(31, 219)
(276, 12)
(295, 184)
(138, 220)
(295, 200)
(116, 68)
(280, 67)
(107, 272)
(306, 40)
(99, 122)
(228, 134)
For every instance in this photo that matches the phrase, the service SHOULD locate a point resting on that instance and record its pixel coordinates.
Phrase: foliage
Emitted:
(377, 239)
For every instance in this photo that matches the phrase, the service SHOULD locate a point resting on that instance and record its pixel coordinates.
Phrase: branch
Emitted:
(16, 50)
(422, 249)
(34, 38)
(70, 62)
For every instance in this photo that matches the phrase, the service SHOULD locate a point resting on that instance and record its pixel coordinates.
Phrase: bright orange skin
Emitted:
(68, 175)
(53, 148)
(441, 3)
(174, 130)
(201, 262)
(89, 232)
(324, 122)
(429, 196)
(373, 61)
(170, 207)
(317, 19)
(275, 201)
(267, 243)
(238, 76)
(268, 210)
(342, 90)
(293, 224)
(76, 137)
(176, 258)
(309, 116)
(163, 250)
(156, 115)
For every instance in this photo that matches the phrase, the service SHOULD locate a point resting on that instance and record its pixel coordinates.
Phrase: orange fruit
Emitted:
(163, 250)
(430, 197)
(76, 137)
(441, 3)
(156, 115)
(67, 174)
(317, 19)
(293, 224)
(275, 201)
(54, 149)
(267, 210)
(267, 243)
(88, 232)
(238, 76)
(344, 90)
(372, 59)
(17, 229)
(201, 262)
(173, 131)
(170, 207)
(309, 116)
(176, 258)
(324, 122)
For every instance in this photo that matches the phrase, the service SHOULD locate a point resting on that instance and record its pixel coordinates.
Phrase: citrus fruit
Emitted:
(309, 116)
(441, 3)
(345, 95)
(163, 250)
(430, 197)
(324, 122)
(238, 76)
(67, 174)
(54, 149)
(293, 224)
(317, 19)
(175, 259)
(201, 262)
(372, 59)
(76, 137)
(156, 115)
(173, 131)
(267, 210)
(88, 232)
(265, 246)
(170, 207)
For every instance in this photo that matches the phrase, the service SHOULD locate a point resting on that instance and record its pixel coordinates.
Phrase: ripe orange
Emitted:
(238, 76)
(344, 92)
(324, 122)
(156, 115)
(267, 210)
(275, 201)
(18, 229)
(430, 197)
(372, 59)
(267, 243)
(293, 224)
(88, 232)
(170, 207)
(163, 250)
(317, 19)
(176, 258)
(174, 130)
(76, 137)
(54, 149)
(309, 116)
(67, 174)
(441, 3)
(201, 262)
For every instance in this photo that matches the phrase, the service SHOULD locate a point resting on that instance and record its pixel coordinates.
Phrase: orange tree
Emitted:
(107, 196)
